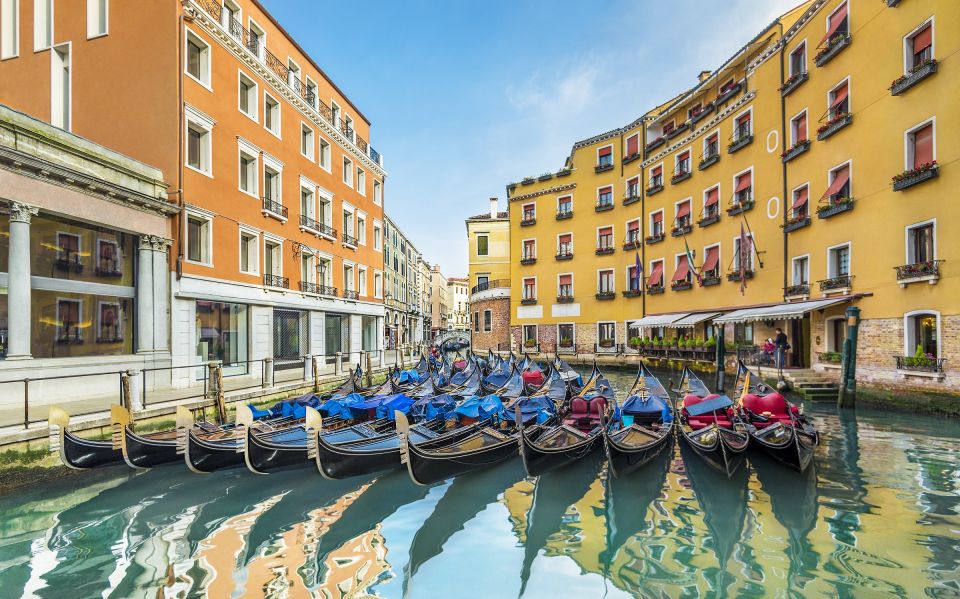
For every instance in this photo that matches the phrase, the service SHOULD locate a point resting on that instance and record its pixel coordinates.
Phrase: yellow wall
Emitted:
(496, 265)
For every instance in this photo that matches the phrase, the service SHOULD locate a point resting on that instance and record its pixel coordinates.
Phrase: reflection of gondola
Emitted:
(649, 411)
(724, 506)
(554, 492)
(776, 426)
(709, 425)
(576, 436)
(77, 452)
(466, 497)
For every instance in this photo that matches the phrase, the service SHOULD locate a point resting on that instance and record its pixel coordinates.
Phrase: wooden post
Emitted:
(369, 371)
(847, 396)
(316, 375)
(221, 406)
(721, 351)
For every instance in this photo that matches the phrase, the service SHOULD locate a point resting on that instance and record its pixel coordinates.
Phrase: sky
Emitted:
(465, 97)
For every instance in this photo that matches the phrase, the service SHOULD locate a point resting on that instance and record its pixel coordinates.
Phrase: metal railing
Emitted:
(275, 207)
(276, 281)
(317, 226)
(494, 284)
(349, 239)
(26, 420)
(920, 364)
(350, 295)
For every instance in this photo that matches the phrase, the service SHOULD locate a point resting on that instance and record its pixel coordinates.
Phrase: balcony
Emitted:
(740, 206)
(703, 112)
(927, 364)
(564, 255)
(349, 240)
(916, 176)
(630, 198)
(709, 217)
(681, 175)
(681, 229)
(793, 83)
(564, 214)
(654, 188)
(735, 276)
(919, 272)
(276, 281)
(741, 142)
(709, 280)
(915, 76)
(728, 93)
(528, 221)
(708, 160)
(310, 225)
(631, 293)
(799, 148)
(835, 124)
(350, 294)
(528, 301)
(835, 206)
(800, 291)
(495, 284)
(564, 299)
(604, 250)
(71, 263)
(632, 243)
(317, 289)
(605, 295)
(681, 285)
(528, 260)
(838, 284)
(655, 289)
(654, 238)
(631, 157)
(602, 168)
(834, 46)
(275, 210)
(676, 131)
(653, 145)
(604, 205)
(796, 222)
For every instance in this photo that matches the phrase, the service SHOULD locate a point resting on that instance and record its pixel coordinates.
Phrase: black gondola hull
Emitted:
(538, 460)
(624, 459)
(263, 456)
(143, 452)
(204, 456)
(427, 467)
(80, 454)
(795, 452)
(725, 452)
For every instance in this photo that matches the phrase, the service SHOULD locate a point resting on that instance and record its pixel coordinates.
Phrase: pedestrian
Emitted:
(780, 341)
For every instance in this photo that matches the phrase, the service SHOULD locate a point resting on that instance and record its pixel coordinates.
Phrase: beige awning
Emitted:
(690, 320)
(659, 320)
(779, 311)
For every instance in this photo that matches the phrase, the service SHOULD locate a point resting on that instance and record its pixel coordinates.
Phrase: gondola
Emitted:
(142, 451)
(203, 450)
(777, 427)
(486, 446)
(646, 426)
(577, 434)
(710, 426)
(76, 452)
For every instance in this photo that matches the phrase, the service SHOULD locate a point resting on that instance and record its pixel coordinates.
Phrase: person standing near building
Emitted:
(780, 341)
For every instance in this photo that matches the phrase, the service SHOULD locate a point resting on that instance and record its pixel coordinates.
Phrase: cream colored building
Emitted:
(438, 301)
(458, 308)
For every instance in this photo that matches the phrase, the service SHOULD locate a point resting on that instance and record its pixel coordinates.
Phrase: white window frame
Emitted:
(307, 130)
(676, 264)
(573, 283)
(43, 29)
(251, 151)
(276, 166)
(835, 168)
(377, 239)
(907, 246)
(908, 146)
(377, 284)
(57, 64)
(487, 236)
(626, 144)
(793, 129)
(253, 94)
(361, 230)
(324, 196)
(523, 284)
(676, 210)
(907, 330)
(605, 322)
(311, 85)
(377, 192)
(830, 249)
(601, 148)
(613, 234)
(255, 262)
(311, 188)
(559, 235)
(836, 87)
(908, 46)
(348, 172)
(706, 252)
(9, 29)
(706, 193)
(324, 154)
(362, 280)
(278, 125)
(361, 181)
(205, 57)
(564, 197)
(261, 34)
(793, 270)
(751, 265)
(663, 222)
(93, 11)
(201, 121)
(753, 186)
(663, 174)
(278, 241)
(736, 123)
(573, 330)
(663, 271)
(206, 253)
(613, 278)
(523, 245)
(676, 159)
(806, 57)
(793, 196)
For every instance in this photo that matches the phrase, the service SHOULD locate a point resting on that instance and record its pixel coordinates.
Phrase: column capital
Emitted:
(145, 242)
(160, 244)
(22, 213)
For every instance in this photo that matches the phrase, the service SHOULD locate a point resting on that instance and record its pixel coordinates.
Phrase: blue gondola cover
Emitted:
(392, 404)
(482, 408)
(536, 409)
(339, 405)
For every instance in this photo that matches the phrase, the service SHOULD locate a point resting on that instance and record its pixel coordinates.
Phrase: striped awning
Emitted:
(690, 320)
(659, 320)
(779, 311)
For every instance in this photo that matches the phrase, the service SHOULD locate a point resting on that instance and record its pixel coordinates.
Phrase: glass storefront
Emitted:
(61, 249)
(336, 337)
(69, 325)
(369, 333)
(222, 334)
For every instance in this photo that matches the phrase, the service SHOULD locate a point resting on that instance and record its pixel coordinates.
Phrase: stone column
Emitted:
(161, 293)
(145, 293)
(18, 292)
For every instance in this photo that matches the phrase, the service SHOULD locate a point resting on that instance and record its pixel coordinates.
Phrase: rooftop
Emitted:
(486, 216)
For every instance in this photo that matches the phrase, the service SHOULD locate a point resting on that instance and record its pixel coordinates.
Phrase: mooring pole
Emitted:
(721, 355)
(847, 397)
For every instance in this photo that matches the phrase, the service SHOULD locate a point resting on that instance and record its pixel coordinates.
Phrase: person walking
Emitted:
(780, 341)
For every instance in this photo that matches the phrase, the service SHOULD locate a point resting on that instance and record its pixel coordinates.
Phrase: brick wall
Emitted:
(500, 331)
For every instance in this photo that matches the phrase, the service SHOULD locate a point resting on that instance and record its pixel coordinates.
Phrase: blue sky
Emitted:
(465, 97)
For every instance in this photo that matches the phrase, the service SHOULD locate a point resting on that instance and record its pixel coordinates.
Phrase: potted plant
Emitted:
(710, 343)
(566, 342)
(606, 343)
(698, 344)
(530, 343)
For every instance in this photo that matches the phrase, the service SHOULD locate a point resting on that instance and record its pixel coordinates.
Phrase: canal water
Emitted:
(878, 516)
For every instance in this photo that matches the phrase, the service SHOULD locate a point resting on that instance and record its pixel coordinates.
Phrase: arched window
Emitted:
(922, 330)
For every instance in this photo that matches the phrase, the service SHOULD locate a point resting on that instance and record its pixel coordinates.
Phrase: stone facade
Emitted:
(498, 338)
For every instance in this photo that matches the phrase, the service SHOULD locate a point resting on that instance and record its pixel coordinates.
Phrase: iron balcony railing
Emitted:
(349, 240)
(275, 207)
(276, 281)
(838, 282)
(317, 226)
(494, 284)
(920, 363)
(929, 268)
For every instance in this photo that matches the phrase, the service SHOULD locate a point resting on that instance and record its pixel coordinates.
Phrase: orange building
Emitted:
(277, 240)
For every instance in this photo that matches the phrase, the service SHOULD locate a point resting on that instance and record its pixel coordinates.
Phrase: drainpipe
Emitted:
(643, 219)
(783, 142)
(182, 215)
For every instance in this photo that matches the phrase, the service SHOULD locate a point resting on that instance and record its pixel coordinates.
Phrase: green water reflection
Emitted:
(879, 516)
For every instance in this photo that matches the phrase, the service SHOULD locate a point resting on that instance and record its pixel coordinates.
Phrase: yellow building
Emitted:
(789, 149)
(488, 237)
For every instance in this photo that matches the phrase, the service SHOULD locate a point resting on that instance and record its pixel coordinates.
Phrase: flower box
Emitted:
(528, 181)
(916, 176)
(654, 189)
(654, 289)
(605, 295)
(681, 285)
(699, 116)
(564, 214)
(603, 206)
(527, 222)
(528, 261)
(834, 207)
(564, 299)
(796, 291)
(678, 130)
(740, 207)
(655, 144)
(565, 256)
(545, 177)
(603, 251)
(833, 125)
(629, 199)
(928, 271)
(632, 245)
(830, 357)
(926, 363)
(709, 280)
(727, 94)
(528, 301)
(679, 230)
(915, 76)
(795, 223)
(709, 161)
(793, 83)
(735, 275)
(631, 293)
(602, 168)
(631, 157)
(740, 143)
(840, 283)
(682, 176)
(563, 172)
(799, 148)
(650, 239)
(709, 219)
(834, 46)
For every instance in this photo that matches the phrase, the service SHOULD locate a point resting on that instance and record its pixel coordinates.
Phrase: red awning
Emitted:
(657, 170)
(656, 275)
(606, 231)
(923, 146)
(684, 156)
(683, 268)
(743, 182)
(658, 217)
(606, 151)
(566, 238)
(839, 180)
(839, 95)
(633, 226)
(802, 127)
(922, 40)
(683, 210)
(713, 196)
(668, 127)
(633, 145)
(744, 119)
(566, 279)
(800, 200)
(835, 20)
(713, 257)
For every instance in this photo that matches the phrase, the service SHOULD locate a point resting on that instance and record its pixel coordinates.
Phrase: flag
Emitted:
(690, 264)
(742, 258)
(638, 272)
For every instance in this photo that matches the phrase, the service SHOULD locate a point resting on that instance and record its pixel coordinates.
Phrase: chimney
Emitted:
(703, 76)
(493, 207)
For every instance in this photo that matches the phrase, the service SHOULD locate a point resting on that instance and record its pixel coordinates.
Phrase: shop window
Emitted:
(743, 333)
